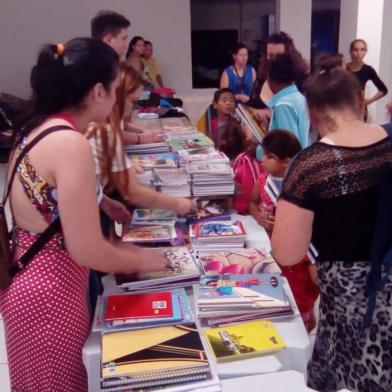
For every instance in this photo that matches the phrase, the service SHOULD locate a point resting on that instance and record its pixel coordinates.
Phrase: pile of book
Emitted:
(156, 216)
(238, 261)
(232, 298)
(213, 209)
(244, 340)
(175, 182)
(217, 235)
(150, 161)
(201, 155)
(183, 270)
(189, 141)
(150, 340)
(211, 178)
(149, 233)
(150, 148)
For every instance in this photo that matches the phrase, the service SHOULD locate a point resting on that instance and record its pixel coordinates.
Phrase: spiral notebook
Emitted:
(154, 356)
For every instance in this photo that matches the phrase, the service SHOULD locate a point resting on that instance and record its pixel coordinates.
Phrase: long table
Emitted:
(294, 357)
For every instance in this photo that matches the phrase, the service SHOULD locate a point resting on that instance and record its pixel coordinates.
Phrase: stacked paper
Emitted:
(175, 182)
(211, 179)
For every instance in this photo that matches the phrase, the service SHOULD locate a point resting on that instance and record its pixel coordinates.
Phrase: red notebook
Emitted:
(149, 305)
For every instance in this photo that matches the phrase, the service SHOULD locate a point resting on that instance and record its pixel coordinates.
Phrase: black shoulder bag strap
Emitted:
(381, 248)
(55, 226)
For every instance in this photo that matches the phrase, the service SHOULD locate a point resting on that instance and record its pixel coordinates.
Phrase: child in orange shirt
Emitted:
(279, 147)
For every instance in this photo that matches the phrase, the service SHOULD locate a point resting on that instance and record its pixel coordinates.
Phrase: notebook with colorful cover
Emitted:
(190, 142)
(244, 261)
(182, 313)
(182, 266)
(252, 290)
(245, 340)
(154, 233)
(139, 306)
(147, 214)
(164, 160)
(191, 156)
(219, 229)
(210, 210)
(143, 353)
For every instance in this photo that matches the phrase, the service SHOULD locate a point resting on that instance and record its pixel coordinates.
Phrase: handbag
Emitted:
(8, 268)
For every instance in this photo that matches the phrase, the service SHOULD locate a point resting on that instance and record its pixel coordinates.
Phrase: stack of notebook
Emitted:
(175, 182)
(157, 216)
(155, 357)
(183, 270)
(202, 155)
(149, 341)
(217, 235)
(151, 233)
(228, 299)
(122, 312)
(149, 161)
(206, 210)
(239, 261)
(150, 148)
(211, 178)
(189, 141)
(244, 340)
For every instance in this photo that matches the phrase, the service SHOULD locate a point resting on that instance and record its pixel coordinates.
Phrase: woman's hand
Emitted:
(152, 260)
(264, 220)
(138, 168)
(183, 206)
(263, 116)
(150, 137)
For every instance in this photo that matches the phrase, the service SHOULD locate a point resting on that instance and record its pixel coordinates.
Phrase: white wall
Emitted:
(27, 24)
(348, 26)
(294, 17)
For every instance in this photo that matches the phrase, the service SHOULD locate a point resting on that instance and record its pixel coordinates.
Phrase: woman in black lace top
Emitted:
(330, 197)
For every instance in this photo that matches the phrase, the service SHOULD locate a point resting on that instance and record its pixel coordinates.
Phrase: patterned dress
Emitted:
(341, 186)
(45, 308)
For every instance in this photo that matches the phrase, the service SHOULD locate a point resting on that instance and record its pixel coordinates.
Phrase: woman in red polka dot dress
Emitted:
(45, 308)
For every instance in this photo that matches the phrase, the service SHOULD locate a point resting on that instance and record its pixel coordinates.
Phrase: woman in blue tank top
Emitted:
(239, 77)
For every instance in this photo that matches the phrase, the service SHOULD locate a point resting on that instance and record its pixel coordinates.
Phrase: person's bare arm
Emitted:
(143, 196)
(115, 209)
(292, 233)
(159, 80)
(253, 75)
(224, 80)
(78, 207)
(135, 63)
(135, 135)
(260, 217)
(254, 201)
(375, 97)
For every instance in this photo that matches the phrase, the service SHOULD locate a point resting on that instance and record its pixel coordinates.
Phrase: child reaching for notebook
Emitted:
(279, 147)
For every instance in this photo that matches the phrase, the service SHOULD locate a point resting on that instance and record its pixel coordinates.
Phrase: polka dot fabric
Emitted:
(46, 320)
